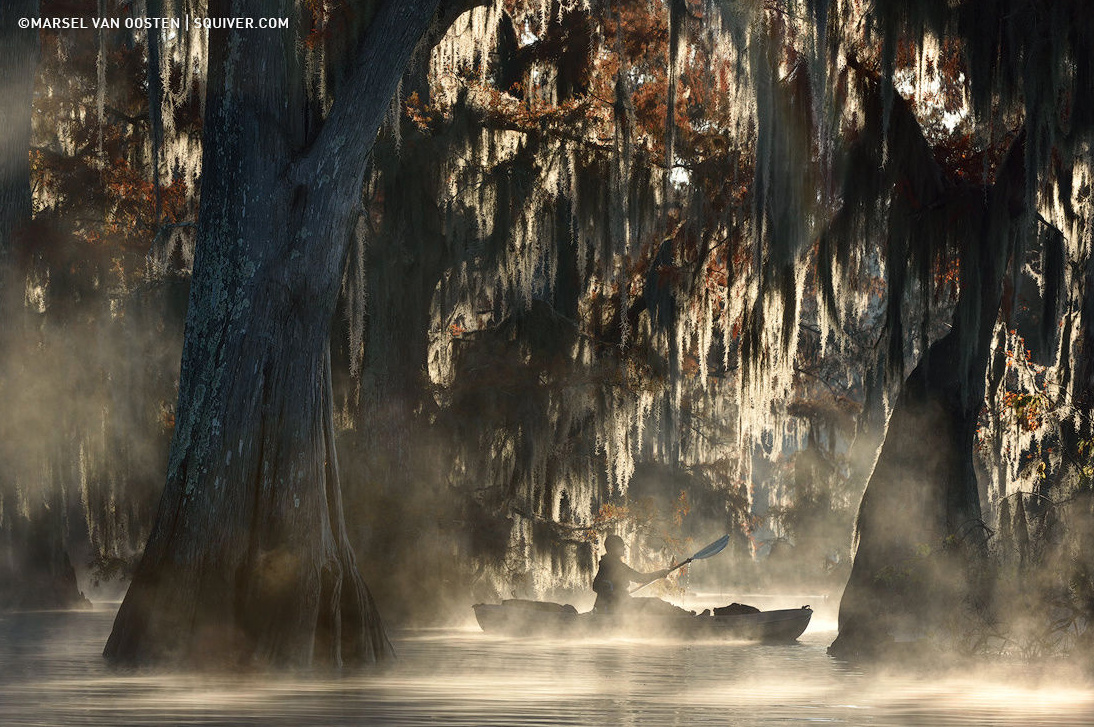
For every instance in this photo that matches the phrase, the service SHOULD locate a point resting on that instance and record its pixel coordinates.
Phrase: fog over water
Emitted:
(51, 673)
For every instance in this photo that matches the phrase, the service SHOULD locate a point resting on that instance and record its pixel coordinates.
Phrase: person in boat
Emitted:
(613, 578)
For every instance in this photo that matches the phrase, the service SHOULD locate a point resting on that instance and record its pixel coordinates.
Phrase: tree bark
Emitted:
(249, 560)
(921, 498)
(19, 61)
(919, 528)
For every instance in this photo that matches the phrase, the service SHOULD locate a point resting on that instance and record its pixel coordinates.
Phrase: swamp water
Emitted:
(51, 673)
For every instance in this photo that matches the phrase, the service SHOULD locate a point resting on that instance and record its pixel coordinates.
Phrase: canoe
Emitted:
(542, 619)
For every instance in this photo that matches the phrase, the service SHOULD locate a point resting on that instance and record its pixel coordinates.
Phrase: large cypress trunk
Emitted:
(919, 532)
(249, 558)
(920, 513)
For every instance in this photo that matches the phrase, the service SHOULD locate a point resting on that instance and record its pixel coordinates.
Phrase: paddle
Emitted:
(713, 549)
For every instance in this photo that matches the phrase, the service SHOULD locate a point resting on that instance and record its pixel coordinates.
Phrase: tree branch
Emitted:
(349, 131)
(332, 171)
(447, 14)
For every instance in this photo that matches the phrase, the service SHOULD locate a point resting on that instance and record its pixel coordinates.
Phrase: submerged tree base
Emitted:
(42, 591)
(165, 625)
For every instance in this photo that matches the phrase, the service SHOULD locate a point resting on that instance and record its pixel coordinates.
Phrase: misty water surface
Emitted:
(51, 674)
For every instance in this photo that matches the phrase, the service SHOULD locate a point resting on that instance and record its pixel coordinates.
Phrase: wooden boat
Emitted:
(519, 617)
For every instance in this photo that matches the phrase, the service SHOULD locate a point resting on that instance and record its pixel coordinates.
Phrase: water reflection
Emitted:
(51, 673)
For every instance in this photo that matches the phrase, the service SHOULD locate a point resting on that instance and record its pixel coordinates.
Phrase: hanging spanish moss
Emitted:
(815, 274)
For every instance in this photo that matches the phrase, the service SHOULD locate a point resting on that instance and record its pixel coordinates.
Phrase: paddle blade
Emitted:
(713, 549)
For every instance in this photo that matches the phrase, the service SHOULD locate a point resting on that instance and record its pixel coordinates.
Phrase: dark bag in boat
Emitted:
(735, 609)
